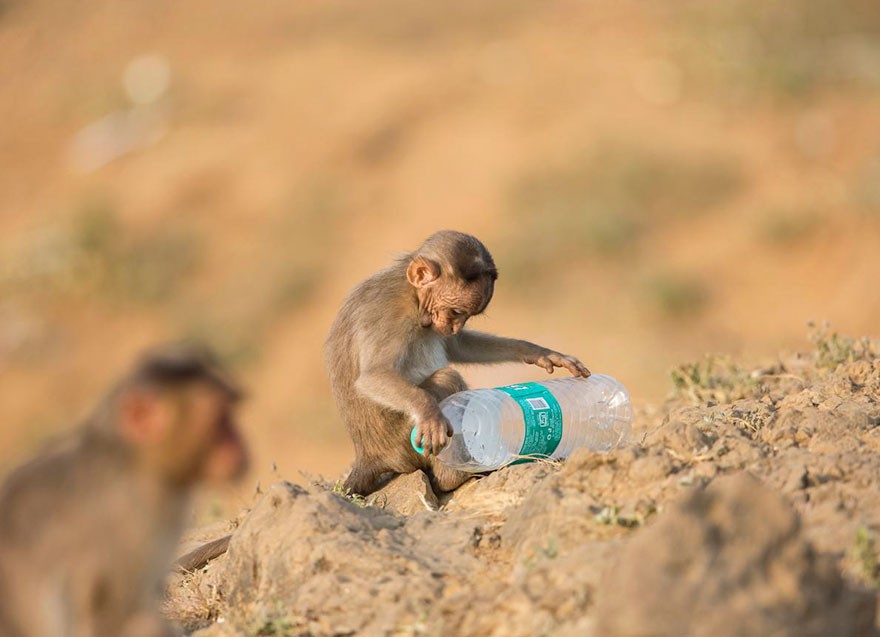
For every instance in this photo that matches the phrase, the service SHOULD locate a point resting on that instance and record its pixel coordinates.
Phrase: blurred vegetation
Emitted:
(144, 268)
(599, 204)
(866, 555)
(274, 621)
(259, 189)
(780, 49)
(867, 187)
(282, 275)
(675, 296)
(400, 23)
(96, 255)
(781, 227)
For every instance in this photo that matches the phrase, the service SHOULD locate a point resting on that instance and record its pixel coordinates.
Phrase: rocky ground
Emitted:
(747, 505)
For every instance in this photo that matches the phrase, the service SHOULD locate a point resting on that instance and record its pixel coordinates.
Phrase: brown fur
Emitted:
(200, 556)
(389, 347)
(89, 526)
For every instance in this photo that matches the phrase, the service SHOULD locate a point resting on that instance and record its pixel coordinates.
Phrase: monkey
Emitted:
(389, 349)
(89, 526)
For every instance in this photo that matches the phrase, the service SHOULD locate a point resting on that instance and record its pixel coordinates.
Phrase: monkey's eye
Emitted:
(458, 313)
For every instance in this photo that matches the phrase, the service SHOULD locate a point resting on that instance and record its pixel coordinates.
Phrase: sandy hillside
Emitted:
(655, 180)
(747, 505)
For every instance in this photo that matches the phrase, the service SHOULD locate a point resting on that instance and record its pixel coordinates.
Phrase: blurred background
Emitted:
(656, 180)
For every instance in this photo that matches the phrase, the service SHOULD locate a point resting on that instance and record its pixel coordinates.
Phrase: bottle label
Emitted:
(542, 416)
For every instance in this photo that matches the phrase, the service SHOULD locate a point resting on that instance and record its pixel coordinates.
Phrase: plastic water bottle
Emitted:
(527, 421)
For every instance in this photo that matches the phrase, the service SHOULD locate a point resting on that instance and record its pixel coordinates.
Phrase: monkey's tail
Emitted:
(197, 558)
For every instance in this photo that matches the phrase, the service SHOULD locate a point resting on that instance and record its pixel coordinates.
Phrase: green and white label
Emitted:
(542, 416)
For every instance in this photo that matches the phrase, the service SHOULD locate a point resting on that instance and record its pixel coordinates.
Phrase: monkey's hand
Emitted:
(550, 360)
(433, 432)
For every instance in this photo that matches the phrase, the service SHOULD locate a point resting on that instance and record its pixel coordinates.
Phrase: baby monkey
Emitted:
(389, 349)
(88, 527)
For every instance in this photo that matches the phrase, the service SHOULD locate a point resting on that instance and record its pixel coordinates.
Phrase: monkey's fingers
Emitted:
(432, 437)
(576, 367)
(430, 443)
(442, 439)
(570, 363)
(586, 373)
(431, 447)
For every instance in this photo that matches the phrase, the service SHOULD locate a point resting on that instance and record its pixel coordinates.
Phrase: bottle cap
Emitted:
(412, 441)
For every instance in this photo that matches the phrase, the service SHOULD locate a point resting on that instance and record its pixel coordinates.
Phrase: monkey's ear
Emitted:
(143, 416)
(421, 272)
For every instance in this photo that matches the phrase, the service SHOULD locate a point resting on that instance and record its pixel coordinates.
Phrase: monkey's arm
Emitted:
(388, 388)
(477, 347)
(380, 381)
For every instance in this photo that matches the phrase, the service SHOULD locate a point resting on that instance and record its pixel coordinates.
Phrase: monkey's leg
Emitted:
(442, 383)
(445, 479)
(374, 431)
(384, 437)
(364, 478)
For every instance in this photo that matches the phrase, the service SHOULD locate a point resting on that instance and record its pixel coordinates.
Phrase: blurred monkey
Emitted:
(388, 351)
(89, 526)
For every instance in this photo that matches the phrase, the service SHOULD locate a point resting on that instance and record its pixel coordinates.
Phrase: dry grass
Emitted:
(833, 350)
(714, 379)
(866, 554)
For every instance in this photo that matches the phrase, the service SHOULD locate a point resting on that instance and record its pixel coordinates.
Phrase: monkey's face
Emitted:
(449, 296)
(451, 303)
(448, 321)
(447, 304)
(187, 434)
(209, 435)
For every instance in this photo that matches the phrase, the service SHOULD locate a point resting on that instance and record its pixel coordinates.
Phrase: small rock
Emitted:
(406, 494)
(650, 468)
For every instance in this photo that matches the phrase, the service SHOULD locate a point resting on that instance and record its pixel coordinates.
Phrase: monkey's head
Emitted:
(176, 411)
(454, 276)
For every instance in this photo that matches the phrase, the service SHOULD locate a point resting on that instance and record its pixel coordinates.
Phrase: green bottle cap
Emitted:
(412, 441)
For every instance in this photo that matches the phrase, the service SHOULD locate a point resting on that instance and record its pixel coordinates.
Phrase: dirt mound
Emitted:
(729, 560)
(522, 551)
(309, 561)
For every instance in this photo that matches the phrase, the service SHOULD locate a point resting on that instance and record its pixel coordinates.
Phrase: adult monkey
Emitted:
(389, 348)
(88, 527)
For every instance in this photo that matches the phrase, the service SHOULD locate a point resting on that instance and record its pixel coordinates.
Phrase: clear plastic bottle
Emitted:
(496, 427)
